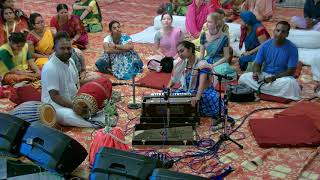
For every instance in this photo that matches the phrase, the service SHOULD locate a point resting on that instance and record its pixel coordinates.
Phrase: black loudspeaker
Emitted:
(164, 174)
(113, 164)
(13, 168)
(51, 149)
(12, 130)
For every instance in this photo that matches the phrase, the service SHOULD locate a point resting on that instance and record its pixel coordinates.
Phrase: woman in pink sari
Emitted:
(263, 9)
(196, 16)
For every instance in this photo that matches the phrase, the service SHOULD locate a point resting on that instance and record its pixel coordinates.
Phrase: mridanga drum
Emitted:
(33, 111)
(90, 97)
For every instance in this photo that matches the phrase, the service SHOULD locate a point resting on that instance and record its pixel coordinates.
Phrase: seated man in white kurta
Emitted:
(279, 57)
(60, 83)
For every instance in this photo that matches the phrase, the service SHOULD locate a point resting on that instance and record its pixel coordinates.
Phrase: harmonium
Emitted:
(157, 109)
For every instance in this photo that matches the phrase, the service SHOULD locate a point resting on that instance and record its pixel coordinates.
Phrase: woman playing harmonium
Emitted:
(193, 80)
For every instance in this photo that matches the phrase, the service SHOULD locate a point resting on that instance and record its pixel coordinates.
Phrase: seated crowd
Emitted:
(31, 51)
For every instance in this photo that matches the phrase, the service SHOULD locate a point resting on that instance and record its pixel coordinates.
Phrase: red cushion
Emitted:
(24, 94)
(290, 131)
(155, 80)
(267, 97)
(310, 109)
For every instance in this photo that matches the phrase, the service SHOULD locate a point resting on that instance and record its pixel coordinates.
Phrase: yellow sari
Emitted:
(44, 46)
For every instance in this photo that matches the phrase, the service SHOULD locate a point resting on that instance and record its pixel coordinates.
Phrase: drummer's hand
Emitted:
(194, 101)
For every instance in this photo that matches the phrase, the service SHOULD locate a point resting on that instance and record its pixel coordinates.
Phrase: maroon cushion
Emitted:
(155, 80)
(310, 109)
(267, 97)
(24, 94)
(290, 131)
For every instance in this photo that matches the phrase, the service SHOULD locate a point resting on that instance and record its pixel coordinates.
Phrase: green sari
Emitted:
(92, 21)
(9, 61)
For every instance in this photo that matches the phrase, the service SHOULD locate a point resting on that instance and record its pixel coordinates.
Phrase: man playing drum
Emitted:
(60, 83)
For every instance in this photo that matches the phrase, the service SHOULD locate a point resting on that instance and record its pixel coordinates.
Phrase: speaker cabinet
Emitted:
(12, 130)
(51, 149)
(113, 164)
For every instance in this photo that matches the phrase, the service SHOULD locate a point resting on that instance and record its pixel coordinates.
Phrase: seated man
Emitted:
(15, 61)
(315, 69)
(311, 19)
(60, 83)
(279, 57)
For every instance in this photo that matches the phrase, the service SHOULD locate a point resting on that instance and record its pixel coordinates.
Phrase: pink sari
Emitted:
(196, 17)
(263, 9)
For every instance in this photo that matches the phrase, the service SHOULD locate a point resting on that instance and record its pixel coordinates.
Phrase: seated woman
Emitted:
(311, 19)
(11, 23)
(263, 9)
(196, 16)
(232, 8)
(15, 61)
(40, 41)
(167, 38)
(224, 29)
(70, 24)
(195, 81)
(216, 45)
(176, 7)
(20, 15)
(89, 13)
(253, 34)
(119, 56)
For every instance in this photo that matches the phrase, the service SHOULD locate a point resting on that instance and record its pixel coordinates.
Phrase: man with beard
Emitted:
(60, 83)
(275, 65)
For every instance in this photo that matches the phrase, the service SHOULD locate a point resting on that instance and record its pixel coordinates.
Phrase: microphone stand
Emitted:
(225, 136)
(134, 105)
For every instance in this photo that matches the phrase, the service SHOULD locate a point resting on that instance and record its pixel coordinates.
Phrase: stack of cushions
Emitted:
(308, 44)
(297, 126)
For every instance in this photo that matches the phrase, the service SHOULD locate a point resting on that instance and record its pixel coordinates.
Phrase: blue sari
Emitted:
(215, 53)
(250, 40)
(209, 101)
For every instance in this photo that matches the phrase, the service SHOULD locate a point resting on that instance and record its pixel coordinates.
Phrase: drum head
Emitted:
(81, 108)
(48, 115)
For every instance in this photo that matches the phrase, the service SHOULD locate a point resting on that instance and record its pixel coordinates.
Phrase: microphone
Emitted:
(215, 74)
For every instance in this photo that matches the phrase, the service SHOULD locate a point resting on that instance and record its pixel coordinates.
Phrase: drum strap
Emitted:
(101, 87)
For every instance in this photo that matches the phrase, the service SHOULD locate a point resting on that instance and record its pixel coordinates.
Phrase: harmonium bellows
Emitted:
(155, 106)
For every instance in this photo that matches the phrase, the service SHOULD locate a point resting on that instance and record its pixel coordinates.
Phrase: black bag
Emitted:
(167, 64)
(240, 93)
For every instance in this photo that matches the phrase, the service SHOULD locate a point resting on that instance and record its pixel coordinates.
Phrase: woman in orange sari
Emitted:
(40, 40)
(10, 24)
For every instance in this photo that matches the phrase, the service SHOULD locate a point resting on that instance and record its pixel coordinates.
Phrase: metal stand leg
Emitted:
(134, 105)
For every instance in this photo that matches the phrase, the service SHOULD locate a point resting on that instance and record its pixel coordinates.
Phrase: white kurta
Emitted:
(286, 87)
(63, 78)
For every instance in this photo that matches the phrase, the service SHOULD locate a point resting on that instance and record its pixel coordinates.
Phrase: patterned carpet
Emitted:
(135, 15)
